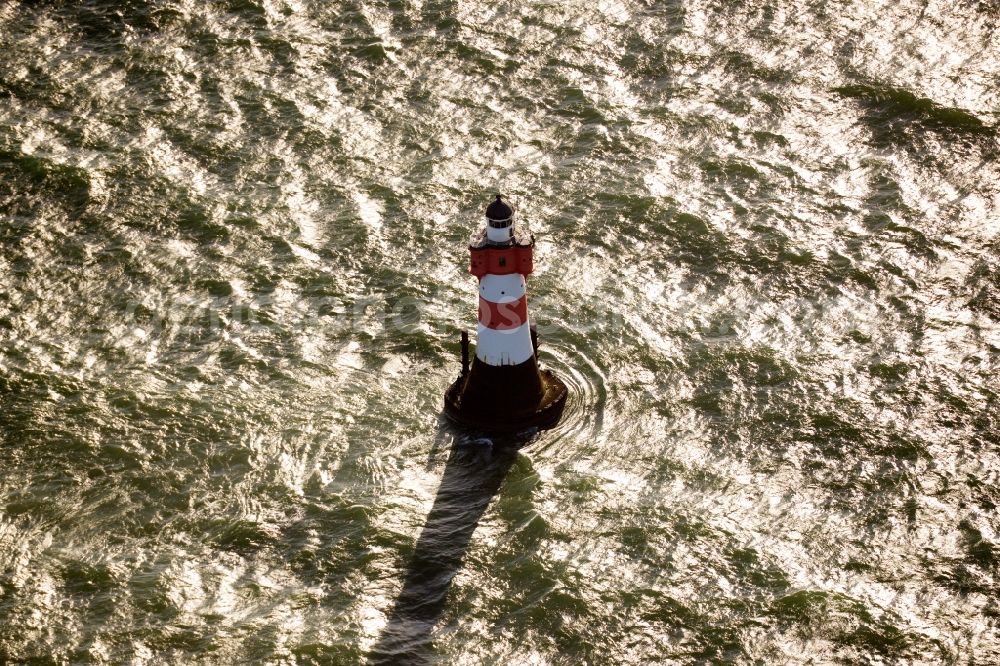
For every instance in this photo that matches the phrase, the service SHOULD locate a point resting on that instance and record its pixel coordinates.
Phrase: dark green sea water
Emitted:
(233, 275)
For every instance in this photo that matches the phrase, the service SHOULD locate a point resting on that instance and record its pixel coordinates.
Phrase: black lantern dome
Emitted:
(499, 210)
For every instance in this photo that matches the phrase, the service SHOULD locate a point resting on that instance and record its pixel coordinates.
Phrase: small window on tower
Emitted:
(503, 261)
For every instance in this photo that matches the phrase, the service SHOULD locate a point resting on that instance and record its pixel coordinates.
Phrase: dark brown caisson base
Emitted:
(505, 399)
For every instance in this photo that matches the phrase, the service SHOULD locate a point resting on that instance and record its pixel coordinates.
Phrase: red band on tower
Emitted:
(503, 316)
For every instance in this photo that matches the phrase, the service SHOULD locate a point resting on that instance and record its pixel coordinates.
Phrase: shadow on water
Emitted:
(472, 477)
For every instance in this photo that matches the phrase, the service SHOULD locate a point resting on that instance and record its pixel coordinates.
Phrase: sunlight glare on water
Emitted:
(234, 273)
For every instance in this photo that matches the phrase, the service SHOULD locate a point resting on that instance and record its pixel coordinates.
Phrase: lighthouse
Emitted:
(503, 389)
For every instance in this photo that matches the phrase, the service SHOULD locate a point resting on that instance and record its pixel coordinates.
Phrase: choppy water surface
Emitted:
(232, 277)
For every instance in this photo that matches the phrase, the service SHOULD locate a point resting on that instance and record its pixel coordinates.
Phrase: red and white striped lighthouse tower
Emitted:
(503, 390)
